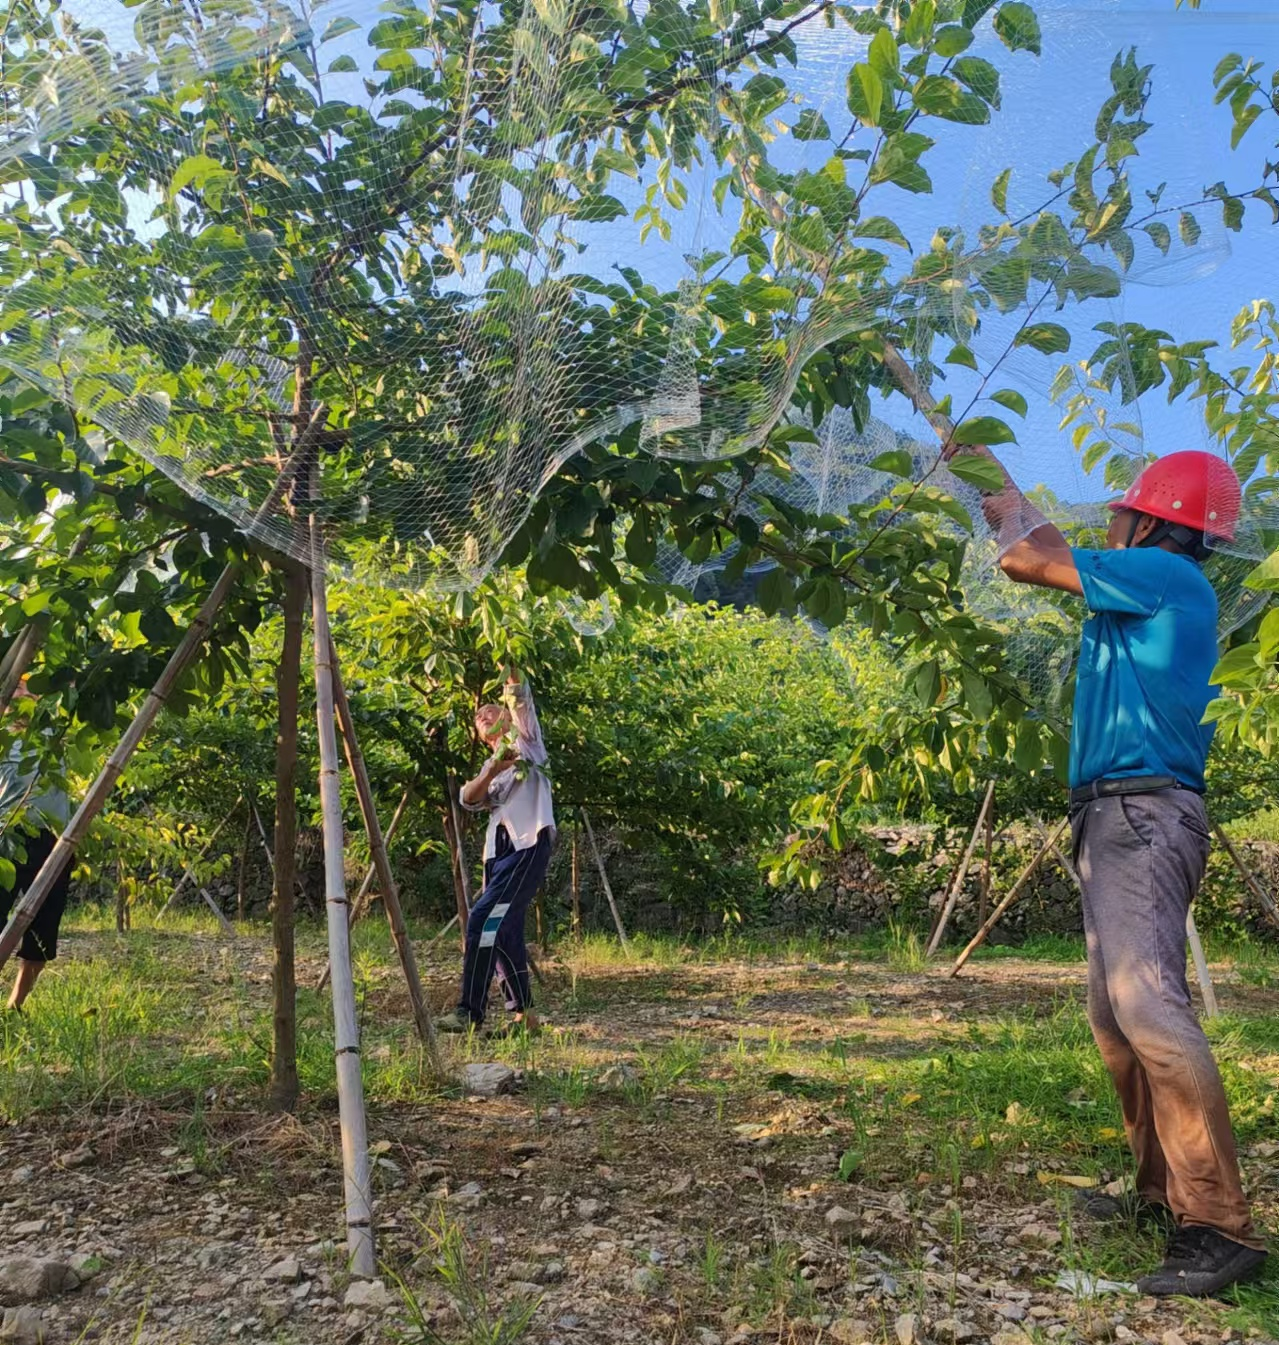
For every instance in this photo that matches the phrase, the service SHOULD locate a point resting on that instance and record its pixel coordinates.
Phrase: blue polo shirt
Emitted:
(1147, 653)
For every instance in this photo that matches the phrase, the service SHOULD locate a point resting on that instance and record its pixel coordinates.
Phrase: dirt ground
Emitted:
(638, 1186)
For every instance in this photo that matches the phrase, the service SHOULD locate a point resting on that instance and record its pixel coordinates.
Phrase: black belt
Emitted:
(1131, 784)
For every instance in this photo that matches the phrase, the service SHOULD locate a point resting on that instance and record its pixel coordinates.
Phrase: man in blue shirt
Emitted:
(1141, 840)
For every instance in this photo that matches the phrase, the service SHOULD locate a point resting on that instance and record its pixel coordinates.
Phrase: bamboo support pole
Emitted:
(437, 937)
(350, 1083)
(608, 889)
(362, 900)
(382, 862)
(1013, 893)
(25, 911)
(988, 855)
(1201, 967)
(957, 881)
(1254, 885)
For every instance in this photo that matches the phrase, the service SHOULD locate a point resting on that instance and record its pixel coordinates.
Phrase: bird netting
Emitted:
(416, 258)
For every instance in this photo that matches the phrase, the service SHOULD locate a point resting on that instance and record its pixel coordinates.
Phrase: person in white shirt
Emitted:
(30, 820)
(515, 790)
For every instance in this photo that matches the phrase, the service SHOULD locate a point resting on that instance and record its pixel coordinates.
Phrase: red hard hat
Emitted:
(1200, 490)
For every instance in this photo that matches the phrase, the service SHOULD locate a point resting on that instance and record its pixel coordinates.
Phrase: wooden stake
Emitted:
(457, 856)
(121, 904)
(1201, 968)
(242, 878)
(1014, 892)
(284, 1085)
(1268, 904)
(987, 856)
(266, 849)
(25, 911)
(188, 869)
(577, 888)
(382, 862)
(350, 1083)
(436, 938)
(957, 883)
(608, 890)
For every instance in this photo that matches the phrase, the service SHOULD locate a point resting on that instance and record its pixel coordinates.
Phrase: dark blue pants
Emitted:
(495, 930)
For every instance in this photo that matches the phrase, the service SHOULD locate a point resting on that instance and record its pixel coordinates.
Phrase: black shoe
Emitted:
(1201, 1263)
(1129, 1207)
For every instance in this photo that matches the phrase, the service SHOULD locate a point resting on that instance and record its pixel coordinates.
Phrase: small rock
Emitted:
(705, 1336)
(287, 1271)
(840, 1221)
(21, 1176)
(467, 1197)
(23, 1326)
(1011, 1312)
(274, 1311)
(32, 1228)
(647, 1280)
(850, 1331)
(370, 1294)
(86, 1265)
(621, 1075)
(1010, 1338)
(1172, 1338)
(951, 1328)
(523, 1288)
(589, 1210)
(79, 1158)
(24, 1279)
(552, 1273)
(1039, 1235)
(905, 1329)
(488, 1080)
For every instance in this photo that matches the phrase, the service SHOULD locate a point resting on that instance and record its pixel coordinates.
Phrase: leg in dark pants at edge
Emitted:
(495, 930)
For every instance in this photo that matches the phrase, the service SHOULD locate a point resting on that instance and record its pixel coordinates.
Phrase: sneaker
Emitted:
(455, 1022)
(1129, 1207)
(1200, 1263)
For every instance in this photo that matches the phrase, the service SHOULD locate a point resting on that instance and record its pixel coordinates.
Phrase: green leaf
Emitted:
(937, 96)
(919, 26)
(1160, 235)
(1242, 123)
(928, 682)
(980, 473)
(1018, 27)
(879, 226)
(977, 694)
(999, 191)
(811, 126)
(883, 57)
(1188, 227)
(1049, 338)
(775, 592)
(980, 76)
(1014, 401)
(157, 625)
(975, 11)
(963, 356)
(338, 27)
(343, 65)
(896, 461)
(8, 874)
(1237, 667)
(898, 162)
(1227, 65)
(1026, 750)
(871, 88)
(195, 171)
(1266, 576)
(1268, 635)
(951, 40)
(978, 430)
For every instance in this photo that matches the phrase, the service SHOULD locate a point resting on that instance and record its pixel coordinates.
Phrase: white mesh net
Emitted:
(417, 258)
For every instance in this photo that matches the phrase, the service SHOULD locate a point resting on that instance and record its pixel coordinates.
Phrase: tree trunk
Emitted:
(284, 1050)
(577, 889)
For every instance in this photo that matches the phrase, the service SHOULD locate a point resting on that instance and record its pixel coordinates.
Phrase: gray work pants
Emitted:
(1141, 858)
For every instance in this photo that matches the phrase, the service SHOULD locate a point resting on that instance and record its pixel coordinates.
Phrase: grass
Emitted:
(995, 1093)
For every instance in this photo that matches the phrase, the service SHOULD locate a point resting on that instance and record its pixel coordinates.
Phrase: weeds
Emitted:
(466, 1278)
